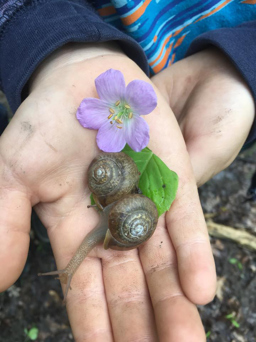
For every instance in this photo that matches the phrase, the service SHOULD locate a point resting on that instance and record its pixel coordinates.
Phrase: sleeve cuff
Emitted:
(239, 45)
(38, 29)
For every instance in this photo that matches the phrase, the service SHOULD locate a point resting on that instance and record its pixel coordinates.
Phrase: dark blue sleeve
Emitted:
(31, 30)
(239, 44)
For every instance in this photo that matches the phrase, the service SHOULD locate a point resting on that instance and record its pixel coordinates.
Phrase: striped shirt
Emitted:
(165, 28)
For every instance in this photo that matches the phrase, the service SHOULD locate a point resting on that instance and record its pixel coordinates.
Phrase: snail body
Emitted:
(127, 219)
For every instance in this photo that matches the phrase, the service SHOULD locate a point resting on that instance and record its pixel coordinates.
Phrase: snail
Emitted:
(111, 176)
(127, 219)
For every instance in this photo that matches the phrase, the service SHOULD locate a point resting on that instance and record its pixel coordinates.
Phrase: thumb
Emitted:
(216, 123)
(207, 161)
(14, 233)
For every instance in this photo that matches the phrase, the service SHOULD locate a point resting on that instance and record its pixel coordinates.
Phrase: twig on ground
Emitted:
(226, 232)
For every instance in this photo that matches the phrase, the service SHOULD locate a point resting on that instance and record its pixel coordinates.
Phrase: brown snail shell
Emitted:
(132, 220)
(111, 176)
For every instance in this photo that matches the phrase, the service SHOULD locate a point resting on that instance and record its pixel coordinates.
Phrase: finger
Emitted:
(185, 220)
(14, 232)
(189, 235)
(177, 318)
(86, 303)
(128, 299)
(191, 243)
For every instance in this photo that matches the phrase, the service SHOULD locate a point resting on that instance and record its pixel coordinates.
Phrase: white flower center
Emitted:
(119, 114)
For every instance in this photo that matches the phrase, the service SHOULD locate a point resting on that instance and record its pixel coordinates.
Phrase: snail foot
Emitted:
(61, 273)
(64, 277)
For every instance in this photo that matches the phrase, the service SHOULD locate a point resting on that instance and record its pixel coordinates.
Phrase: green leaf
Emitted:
(233, 261)
(239, 265)
(92, 199)
(157, 181)
(208, 334)
(230, 316)
(33, 334)
(141, 159)
(235, 323)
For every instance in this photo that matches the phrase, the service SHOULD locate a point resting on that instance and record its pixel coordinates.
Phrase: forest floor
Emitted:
(33, 305)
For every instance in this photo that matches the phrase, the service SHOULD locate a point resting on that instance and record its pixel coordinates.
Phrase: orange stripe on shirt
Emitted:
(160, 66)
(179, 41)
(178, 31)
(130, 19)
(105, 11)
(250, 2)
(214, 11)
(160, 53)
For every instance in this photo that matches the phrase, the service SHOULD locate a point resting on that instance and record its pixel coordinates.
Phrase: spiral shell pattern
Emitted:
(111, 176)
(133, 219)
(105, 176)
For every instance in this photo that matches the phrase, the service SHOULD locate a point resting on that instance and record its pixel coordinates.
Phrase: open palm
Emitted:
(44, 155)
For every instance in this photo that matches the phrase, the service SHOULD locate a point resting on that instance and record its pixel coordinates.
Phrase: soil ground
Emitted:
(37, 301)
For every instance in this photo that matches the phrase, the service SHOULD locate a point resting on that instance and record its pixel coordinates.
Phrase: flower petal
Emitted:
(140, 95)
(110, 138)
(92, 113)
(110, 86)
(137, 133)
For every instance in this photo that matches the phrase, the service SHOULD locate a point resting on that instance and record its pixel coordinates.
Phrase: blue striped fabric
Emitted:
(165, 28)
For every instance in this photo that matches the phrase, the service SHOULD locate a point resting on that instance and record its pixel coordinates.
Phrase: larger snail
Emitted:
(127, 219)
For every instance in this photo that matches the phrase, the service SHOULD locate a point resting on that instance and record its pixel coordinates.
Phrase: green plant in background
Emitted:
(31, 334)
(234, 261)
(231, 317)
(208, 334)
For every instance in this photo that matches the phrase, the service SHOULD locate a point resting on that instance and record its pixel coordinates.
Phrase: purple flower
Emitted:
(116, 114)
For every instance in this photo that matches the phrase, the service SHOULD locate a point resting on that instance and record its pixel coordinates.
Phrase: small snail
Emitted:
(131, 221)
(127, 219)
(111, 176)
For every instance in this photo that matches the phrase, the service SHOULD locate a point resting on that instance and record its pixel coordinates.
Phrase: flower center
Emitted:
(120, 113)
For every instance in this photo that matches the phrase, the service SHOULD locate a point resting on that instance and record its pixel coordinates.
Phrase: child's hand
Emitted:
(45, 153)
(213, 106)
